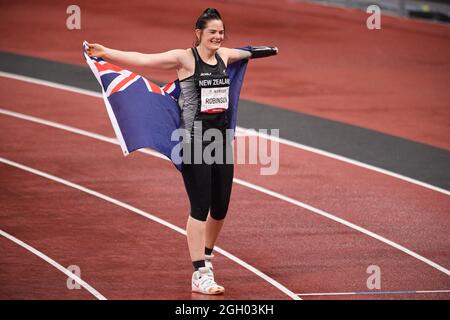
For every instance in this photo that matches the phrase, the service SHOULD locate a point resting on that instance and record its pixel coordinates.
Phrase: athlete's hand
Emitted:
(96, 50)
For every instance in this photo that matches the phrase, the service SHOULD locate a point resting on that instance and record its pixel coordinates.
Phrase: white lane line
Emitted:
(119, 203)
(254, 187)
(344, 222)
(74, 130)
(372, 293)
(50, 84)
(44, 257)
(347, 160)
(244, 130)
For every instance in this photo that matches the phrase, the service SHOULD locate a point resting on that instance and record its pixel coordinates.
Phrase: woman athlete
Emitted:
(203, 101)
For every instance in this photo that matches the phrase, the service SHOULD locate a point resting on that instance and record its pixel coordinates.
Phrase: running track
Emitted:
(126, 255)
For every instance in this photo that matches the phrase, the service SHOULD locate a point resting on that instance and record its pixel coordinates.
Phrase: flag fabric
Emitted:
(143, 114)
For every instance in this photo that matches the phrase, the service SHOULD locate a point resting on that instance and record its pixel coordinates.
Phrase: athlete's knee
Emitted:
(199, 213)
(219, 213)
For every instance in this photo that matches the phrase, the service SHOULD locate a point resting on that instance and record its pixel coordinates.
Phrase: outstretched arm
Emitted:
(166, 60)
(234, 55)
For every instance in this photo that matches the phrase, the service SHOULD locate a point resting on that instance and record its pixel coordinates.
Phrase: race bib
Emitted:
(214, 99)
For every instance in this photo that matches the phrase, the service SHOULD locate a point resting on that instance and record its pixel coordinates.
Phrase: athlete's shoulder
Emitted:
(185, 54)
(223, 51)
(178, 52)
(231, 55)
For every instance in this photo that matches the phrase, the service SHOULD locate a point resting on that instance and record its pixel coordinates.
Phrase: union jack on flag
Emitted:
(120, 79)
(143, 114)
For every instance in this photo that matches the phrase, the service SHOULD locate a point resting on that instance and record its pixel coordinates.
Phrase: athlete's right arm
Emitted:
(165, 60)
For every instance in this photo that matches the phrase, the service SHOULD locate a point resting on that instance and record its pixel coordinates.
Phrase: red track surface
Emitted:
(394, 80)
(124, 255)
(317, 254)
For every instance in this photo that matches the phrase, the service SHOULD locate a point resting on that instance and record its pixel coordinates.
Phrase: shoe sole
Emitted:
(213, 292)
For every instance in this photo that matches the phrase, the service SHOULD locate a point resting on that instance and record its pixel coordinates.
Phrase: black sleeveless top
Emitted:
(211, 84)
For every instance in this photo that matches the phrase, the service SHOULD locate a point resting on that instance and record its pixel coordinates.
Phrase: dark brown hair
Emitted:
(207, 15)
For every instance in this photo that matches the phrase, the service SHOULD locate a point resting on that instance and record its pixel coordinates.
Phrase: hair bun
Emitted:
(207, 15)
(211, 12)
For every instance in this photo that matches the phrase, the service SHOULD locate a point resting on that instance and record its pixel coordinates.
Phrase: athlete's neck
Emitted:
(206, 54)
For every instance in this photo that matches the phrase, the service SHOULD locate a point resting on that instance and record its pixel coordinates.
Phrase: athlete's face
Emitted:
(212, 36)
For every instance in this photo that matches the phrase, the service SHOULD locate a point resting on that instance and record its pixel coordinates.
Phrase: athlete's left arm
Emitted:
(233, 55)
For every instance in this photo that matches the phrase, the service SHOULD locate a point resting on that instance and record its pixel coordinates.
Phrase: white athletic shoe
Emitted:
(203, 282)
(208, 261)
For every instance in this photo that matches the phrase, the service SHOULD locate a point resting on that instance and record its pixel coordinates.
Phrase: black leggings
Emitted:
(209, 188)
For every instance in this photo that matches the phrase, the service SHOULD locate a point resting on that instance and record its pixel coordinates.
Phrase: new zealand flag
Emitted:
(143, 114)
